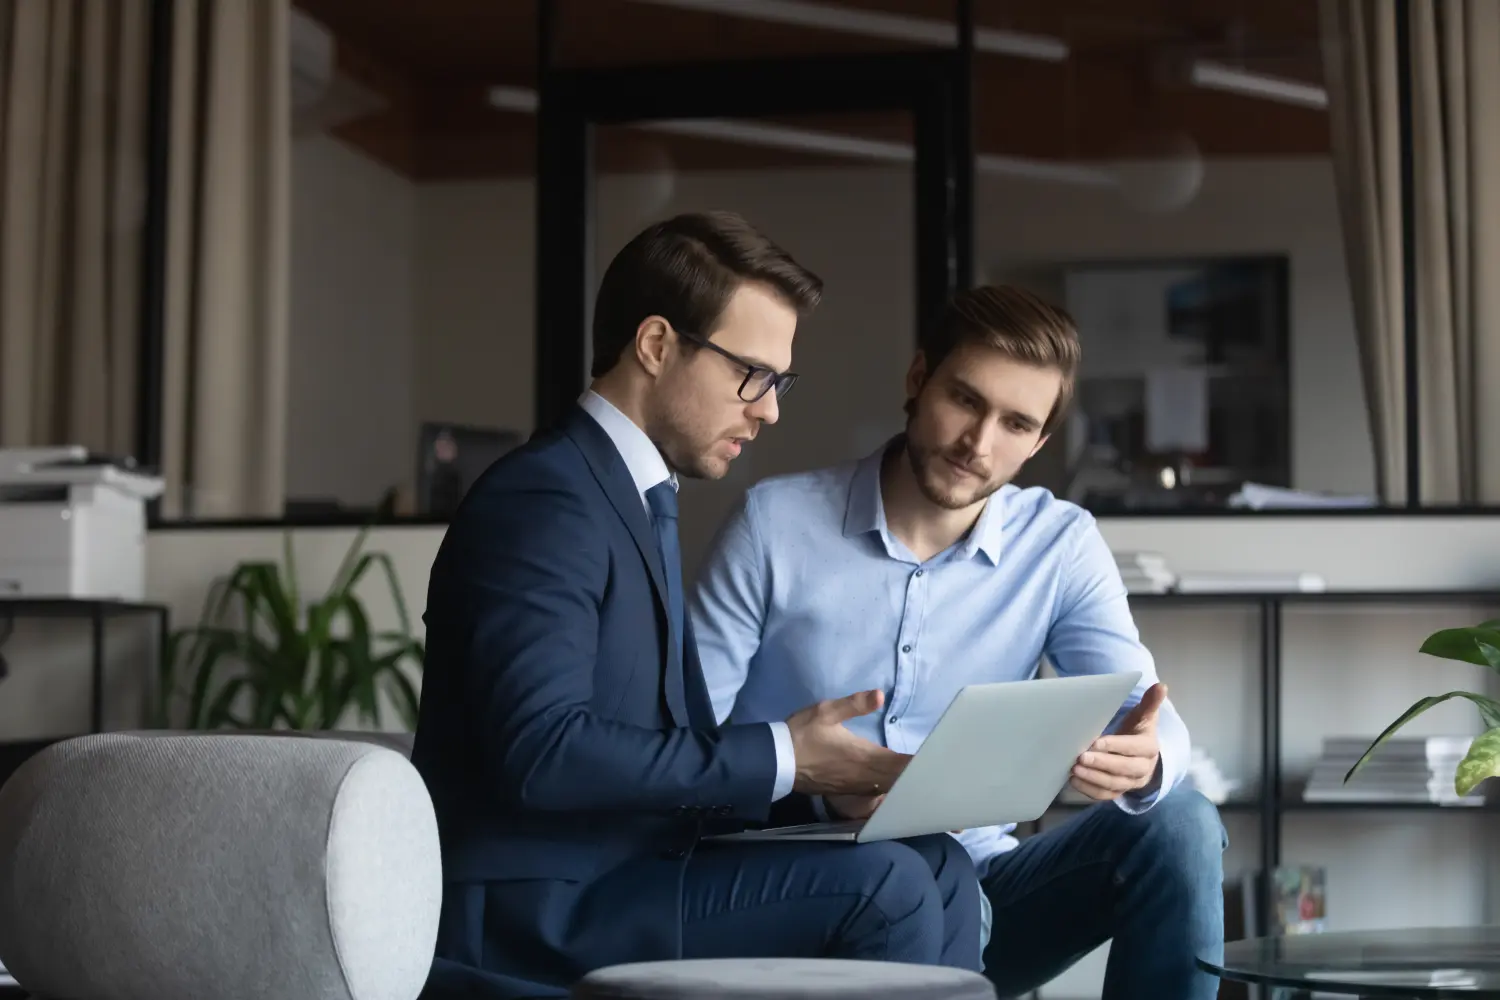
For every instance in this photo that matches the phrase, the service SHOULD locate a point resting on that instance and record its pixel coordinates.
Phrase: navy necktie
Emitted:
(662, 499)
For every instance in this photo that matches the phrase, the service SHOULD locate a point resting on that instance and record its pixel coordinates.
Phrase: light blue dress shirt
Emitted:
(647, 469)
(807, 595)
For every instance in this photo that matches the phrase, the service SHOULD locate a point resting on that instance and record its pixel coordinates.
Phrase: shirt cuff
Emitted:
(1144, 798)
(786, 761)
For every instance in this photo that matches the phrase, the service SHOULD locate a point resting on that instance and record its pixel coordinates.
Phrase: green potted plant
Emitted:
(1479, 645)
(262, 659)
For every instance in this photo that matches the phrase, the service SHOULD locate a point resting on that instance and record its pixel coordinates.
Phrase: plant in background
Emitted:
(1479, 645)
(260, 659)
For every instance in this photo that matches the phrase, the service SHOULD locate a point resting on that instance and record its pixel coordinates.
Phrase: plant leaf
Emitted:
(1481, 762)
(259, 659)
(405, 698)
(289, 562)
(1490, 653)
(384, 561)
(219, 644)
(220, 711)
(359, 660)
(347, 573)
(1488, 709)
(1463, 644)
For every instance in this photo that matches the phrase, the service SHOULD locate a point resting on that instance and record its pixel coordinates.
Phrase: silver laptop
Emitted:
(999, 754)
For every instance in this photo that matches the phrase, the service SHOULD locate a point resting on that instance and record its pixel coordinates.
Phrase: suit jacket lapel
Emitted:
(609, 469)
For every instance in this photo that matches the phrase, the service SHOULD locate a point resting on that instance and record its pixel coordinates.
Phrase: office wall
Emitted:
(467, 273)
(353, 310)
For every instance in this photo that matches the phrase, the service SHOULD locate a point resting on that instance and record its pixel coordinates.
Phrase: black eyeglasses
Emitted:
(759, 379)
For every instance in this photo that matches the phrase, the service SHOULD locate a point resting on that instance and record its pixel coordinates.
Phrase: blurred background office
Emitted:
(313, 262)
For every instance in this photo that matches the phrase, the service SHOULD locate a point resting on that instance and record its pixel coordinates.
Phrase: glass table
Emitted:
(1412, 964)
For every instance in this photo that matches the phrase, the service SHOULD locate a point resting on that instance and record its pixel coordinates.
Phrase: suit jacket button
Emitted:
(723, 810)
(675, 854)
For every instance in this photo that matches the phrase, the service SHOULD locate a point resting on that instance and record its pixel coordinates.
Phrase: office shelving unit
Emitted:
(97, 612)
(1273, 799)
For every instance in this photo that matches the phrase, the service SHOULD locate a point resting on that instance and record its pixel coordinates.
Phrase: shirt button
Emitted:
(920, 572)
(894, 719)
(906, 649)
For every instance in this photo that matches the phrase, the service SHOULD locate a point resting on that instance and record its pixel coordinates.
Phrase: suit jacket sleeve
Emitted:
(532, 568)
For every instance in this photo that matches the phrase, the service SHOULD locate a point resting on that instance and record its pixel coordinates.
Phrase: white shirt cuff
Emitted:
(1143, 799)
(786, 761)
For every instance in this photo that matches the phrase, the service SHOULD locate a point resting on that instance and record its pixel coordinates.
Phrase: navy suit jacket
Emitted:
(568, 795)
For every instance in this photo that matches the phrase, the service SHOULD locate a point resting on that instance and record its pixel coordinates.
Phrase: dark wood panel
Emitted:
(389, 136)
(1124, 83)
(603, 33)
(437, 38)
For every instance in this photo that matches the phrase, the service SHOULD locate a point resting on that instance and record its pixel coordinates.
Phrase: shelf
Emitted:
(1322, 597)
(1297, 805)
(1230, 807)
(95, 612)
(70, 607)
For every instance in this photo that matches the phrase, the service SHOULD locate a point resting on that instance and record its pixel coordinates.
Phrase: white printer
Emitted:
(72, 524)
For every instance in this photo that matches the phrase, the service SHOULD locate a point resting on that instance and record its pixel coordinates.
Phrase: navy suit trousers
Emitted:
(914, 900)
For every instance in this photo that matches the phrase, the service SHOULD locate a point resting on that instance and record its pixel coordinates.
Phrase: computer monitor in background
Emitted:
(450, 457)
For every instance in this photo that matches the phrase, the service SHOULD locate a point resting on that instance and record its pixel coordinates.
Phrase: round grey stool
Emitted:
(782, 979)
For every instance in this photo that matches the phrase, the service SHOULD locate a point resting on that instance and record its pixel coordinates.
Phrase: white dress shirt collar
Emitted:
(647, 467)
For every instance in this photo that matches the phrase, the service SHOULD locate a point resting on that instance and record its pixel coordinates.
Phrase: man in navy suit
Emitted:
(566, 733)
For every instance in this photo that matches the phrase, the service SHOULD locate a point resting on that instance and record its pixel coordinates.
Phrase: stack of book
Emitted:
(1145, 572)
(1413, 769)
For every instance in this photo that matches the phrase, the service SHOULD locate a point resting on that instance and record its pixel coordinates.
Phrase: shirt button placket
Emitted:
(903, 662)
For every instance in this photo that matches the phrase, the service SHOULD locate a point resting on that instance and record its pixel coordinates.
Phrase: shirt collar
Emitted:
(647, 467)
(865, 510)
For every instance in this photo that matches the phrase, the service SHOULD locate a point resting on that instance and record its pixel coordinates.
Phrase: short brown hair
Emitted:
(1018, 324)
(686, 269)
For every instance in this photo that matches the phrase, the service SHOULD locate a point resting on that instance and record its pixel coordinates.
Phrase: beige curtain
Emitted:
(224, 411)
(72, 167)
(73, 111)
(1456, 113)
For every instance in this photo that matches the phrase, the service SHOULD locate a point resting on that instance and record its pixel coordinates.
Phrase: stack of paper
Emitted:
(1404, 769)
(1145, 572)
(1260, 497)
(1251, 583)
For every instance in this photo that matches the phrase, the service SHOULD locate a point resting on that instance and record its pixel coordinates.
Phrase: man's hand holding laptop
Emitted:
(1127, 759)
(1115, 764)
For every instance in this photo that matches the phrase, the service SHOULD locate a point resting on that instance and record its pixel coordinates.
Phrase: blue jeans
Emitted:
(1149, 883)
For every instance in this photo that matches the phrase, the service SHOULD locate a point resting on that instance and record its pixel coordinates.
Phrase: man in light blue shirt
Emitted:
(921, 569)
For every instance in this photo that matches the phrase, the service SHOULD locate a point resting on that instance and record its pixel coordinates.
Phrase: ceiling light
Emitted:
(749, 133)
(1217, 76)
